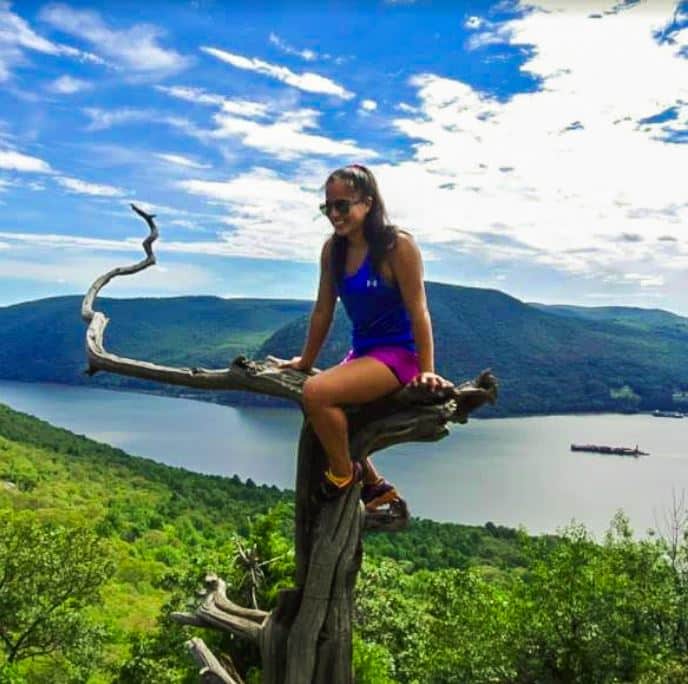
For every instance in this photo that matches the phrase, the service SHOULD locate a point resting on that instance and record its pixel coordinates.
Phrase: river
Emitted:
(511, 471)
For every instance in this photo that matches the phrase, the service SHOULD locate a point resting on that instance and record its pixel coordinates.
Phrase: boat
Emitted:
(617, 451)
(667, 414)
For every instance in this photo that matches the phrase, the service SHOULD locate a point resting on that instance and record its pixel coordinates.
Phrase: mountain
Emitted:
(635, 317)
(43, 341)
(548, 359)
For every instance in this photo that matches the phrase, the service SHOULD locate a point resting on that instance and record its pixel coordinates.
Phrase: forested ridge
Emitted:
(606, 358)
(132, 539)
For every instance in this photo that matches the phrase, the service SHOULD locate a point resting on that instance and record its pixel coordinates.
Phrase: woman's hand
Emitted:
(431, 381)
(297, 363)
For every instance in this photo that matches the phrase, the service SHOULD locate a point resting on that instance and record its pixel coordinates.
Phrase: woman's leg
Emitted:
(357, 382)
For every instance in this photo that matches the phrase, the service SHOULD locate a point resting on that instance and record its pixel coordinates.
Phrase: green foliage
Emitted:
(435, 604)
(372, 663)
(50, 574)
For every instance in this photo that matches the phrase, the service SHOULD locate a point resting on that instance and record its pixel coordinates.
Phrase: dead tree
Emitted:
(307, 637)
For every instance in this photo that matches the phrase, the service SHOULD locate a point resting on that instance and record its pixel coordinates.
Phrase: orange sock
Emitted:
(338, 481)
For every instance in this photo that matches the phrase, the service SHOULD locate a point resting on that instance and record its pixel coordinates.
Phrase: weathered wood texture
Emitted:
(306, 639)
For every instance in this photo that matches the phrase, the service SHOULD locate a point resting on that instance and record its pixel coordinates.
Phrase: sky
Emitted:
(537, 148)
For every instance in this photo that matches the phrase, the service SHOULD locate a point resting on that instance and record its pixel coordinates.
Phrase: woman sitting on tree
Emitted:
(376, 270)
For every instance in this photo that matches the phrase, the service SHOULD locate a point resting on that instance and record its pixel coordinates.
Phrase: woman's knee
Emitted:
(314, 395)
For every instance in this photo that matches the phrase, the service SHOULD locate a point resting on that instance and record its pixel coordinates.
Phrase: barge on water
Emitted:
(617, 451)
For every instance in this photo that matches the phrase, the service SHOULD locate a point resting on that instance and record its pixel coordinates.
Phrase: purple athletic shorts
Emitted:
(404, 363)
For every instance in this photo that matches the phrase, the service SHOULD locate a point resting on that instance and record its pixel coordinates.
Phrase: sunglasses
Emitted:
(341, 205)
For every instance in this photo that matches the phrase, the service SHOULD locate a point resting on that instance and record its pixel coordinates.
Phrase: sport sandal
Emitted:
(378, 494)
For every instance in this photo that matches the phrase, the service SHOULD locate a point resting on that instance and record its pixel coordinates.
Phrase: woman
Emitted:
(376, 270)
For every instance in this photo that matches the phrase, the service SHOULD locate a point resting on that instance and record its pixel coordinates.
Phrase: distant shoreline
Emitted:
(276, 403)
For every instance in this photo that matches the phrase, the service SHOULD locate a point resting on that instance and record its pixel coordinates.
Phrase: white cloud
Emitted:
(493, 35)
(307, 81)
(136, 48)
(557, 174)
(283, 132)
(179, 160)
(67, 85)
(16, 36)
(269, 216)
(368, 105)
(287, 137)
(55, 240)
(474, 22)
(240, 107)
(21, 182)
(80, 187)
(645, 280)
(76, 266)
(308, 55)
(15, 161)
(102, 119)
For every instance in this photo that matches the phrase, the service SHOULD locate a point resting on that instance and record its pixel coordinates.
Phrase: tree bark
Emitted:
(307, 638)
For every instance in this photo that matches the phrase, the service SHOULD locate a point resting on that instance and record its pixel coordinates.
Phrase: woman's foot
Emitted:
(378, 494)
(333, 487)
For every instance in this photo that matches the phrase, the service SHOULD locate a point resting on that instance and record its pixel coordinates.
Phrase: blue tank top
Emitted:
(376, 310)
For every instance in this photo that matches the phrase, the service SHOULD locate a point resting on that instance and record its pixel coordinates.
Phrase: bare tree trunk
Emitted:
(307, 638)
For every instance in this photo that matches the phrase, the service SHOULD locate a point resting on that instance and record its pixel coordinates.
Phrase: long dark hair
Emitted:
(380, 235)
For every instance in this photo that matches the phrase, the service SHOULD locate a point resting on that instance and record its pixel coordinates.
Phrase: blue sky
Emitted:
(538, 148)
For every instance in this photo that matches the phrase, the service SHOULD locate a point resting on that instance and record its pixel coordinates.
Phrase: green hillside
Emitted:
(548, 359)
(43, 341)
(164, 528)
(98, 547)
(546, 362)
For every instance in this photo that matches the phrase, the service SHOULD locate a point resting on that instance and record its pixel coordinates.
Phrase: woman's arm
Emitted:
(321, 316)
(407, 267)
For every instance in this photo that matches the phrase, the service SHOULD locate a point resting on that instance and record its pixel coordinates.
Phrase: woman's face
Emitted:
(346, 223)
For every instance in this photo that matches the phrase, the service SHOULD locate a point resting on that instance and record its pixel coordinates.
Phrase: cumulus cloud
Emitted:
(136, 49)
(80, 187)
(268, 215)
(306, 81)
(368, 105)
(568, 164)
(16, 161)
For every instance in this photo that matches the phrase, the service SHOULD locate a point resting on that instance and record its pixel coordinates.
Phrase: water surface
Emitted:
(511, 471)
